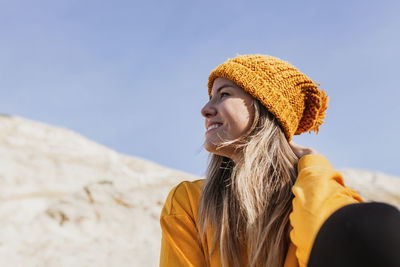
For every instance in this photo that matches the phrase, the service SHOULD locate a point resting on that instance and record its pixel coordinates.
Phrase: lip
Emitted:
(209, 124)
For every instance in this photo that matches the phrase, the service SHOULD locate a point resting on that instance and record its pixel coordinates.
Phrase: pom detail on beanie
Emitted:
(314, 113)
(293, 98)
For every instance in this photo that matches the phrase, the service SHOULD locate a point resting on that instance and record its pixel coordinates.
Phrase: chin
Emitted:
(210, 147)
(213, 148)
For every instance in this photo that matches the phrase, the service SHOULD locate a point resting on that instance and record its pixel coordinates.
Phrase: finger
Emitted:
(296, 146)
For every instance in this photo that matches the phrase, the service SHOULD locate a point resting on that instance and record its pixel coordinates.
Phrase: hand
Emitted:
(301, 151)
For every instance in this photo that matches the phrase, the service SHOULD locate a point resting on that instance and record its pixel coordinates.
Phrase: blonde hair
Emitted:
(247, 204)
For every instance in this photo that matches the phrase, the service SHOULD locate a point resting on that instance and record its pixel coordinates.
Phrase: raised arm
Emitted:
(319, 191)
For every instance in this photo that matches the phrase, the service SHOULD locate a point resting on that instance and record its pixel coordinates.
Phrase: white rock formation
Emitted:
(374, 186)
(67, 201)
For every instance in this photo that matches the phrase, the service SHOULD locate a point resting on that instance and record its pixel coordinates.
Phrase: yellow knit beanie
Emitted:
(293, 98)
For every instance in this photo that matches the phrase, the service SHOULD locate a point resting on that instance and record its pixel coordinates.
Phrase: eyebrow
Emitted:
(222, 87)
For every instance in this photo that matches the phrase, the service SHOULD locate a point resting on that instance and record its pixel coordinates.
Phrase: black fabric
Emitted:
(364, 234)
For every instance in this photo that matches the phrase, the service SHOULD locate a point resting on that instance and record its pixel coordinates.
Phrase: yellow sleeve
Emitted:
(180, 245)
(318, 192)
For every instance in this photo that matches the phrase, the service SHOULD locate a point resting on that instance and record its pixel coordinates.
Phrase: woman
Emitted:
(263, 199)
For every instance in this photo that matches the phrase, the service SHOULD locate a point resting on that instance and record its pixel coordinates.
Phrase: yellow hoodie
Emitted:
(318, 192)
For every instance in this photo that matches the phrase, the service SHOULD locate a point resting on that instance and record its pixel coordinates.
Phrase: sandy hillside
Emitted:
(67, 201)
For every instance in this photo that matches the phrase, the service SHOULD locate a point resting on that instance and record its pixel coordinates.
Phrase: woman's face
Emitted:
(228, 115)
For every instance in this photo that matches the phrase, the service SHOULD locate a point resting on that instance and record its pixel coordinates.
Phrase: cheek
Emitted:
(243, 121)
(241, 117)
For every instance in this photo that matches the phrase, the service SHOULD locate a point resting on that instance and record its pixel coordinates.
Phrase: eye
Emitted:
(223, 94)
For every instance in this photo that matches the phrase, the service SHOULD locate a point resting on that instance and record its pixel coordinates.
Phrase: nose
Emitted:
(208, 110)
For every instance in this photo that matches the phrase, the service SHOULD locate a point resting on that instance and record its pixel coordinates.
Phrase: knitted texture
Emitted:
(293, 98)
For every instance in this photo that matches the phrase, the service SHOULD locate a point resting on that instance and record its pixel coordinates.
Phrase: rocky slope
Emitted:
(67, 201)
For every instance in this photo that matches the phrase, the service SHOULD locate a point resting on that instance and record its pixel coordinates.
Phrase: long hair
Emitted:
(247, 203)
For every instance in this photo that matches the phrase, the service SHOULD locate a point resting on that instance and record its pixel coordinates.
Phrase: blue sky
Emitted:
(132, 75)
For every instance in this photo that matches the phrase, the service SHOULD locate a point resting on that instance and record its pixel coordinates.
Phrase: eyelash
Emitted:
(224, 94)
